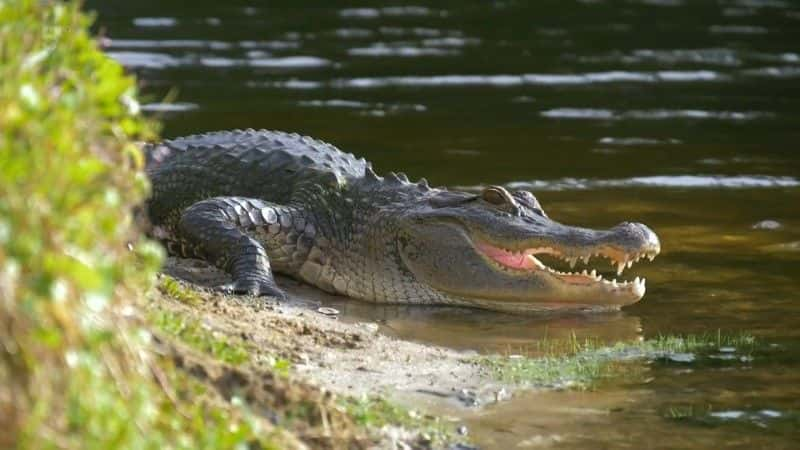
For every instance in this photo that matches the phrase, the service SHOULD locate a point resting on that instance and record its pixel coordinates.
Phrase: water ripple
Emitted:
(155, 21)
(371, 109)
(530, 79)
(289, 62)
(382, 49)
(774, 72)
(392, 11)
(147, 60)
(714, 56)
(152, 60)
(450, 42)
(635, 141)
(352, 33)
(651, 114)
(417, 31)
(737, 29)
(661, 181)
(196, 44)
(169, 43)
(169, 107)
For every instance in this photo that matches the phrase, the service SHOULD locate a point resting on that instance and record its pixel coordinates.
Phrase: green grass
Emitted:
(377, 412)
(173, 288)
(216, 344)
(281, 367)
(782, 423)
(686, 412)
(195, 334)
(577, 371)
(198, 336)
(742, 342)
(581, 364)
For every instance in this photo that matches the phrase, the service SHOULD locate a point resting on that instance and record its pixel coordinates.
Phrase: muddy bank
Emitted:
(351, 358)
(348, 357)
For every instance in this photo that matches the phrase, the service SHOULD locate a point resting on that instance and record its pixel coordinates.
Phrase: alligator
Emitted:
(254, 202)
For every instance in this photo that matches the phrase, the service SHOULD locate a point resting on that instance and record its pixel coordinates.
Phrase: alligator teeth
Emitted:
(516, 260)
(572, 262)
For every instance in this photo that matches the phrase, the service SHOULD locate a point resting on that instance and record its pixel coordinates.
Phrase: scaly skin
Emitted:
(254, 202)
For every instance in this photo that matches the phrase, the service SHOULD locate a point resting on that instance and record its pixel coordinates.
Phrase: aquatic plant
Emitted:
(581, 364)
(377, 412)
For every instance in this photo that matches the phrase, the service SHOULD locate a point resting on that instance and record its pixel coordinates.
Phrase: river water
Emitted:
(684, 115)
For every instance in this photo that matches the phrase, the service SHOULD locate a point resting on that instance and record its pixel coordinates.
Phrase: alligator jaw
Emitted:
(525, 263)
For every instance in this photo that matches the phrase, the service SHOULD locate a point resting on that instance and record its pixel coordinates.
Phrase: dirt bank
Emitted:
(351, 358)
(346, 357)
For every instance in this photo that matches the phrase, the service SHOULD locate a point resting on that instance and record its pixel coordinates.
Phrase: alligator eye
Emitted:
(493, 196)
(446, 199)
(497, 196)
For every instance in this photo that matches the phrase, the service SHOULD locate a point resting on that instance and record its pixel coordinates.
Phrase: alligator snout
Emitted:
(635, 237)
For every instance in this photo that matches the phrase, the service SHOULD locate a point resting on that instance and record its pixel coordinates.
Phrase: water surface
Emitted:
(684, 115)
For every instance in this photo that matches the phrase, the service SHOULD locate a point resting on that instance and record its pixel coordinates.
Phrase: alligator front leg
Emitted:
(224, 229)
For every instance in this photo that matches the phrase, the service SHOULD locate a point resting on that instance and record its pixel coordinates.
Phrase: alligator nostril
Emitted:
(636, 234)
(650, 237)
(627, 226)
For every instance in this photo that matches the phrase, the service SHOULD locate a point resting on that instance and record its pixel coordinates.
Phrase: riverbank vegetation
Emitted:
(79, 368)
(582, 364)
(87, 359)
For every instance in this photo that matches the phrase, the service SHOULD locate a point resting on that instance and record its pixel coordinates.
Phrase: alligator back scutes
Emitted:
(262, 147)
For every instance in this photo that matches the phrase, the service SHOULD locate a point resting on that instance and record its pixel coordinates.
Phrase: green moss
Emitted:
(223, 347)
(686, 412)
(706, 415)
(742, 342)
(377, 412)
(580, 370)
(173, 288)
(200, 337)
(582, 364)
(282, 367)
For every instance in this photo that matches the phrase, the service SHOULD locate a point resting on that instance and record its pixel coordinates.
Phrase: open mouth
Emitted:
(531, 260)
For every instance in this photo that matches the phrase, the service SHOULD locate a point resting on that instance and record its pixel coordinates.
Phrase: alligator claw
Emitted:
(256, 288)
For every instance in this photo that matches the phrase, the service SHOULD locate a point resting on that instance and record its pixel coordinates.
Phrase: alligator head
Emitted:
(492, 250)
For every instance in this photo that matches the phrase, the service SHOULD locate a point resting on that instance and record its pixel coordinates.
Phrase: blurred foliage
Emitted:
(75, 369)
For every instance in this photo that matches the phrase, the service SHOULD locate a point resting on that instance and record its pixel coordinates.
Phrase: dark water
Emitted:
(684, 115)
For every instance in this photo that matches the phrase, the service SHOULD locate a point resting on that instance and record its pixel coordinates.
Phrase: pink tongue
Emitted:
(515, 261)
